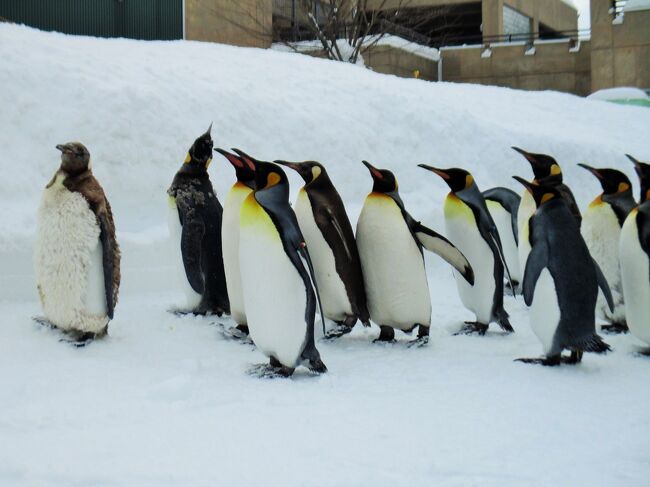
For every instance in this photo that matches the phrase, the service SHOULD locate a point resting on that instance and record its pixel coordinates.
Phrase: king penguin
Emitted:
(601, 229)
(278, 283)
(561, 281)
(195, 223)
(76, 258)
(634, 254)
(469, 223)
(503, 205)
(329, 237)
(390, 245)
(245, 185)
(546, 171)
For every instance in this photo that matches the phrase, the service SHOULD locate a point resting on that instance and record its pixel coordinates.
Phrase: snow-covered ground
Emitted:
(167, 401)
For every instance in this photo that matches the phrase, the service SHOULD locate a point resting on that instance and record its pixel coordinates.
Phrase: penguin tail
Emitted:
(592, 343)
(502, 320)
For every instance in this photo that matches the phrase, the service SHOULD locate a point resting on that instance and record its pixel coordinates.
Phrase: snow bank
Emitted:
(622, 93)
(139, 105)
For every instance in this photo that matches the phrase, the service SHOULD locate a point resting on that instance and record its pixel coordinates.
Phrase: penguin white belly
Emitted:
(527, 209)
(334, 297)
(274, 293)
(503, 221)
(461, 228)
(635, 269)
(545, 310)
(602, 232)
(192, 298)
(393, 267)
(68, 261)
(230, 246)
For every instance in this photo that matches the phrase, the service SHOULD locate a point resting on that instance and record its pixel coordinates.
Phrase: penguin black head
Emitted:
(611, 180)
(75, 158)
(267, 174)
(200, 154)
(643, 170)
(544, 167)
(244, 170)
(310, 171)
(542, 193)
(384, 181)
(457, 179)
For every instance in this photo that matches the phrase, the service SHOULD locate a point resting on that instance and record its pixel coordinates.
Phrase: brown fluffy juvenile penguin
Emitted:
(76, 258)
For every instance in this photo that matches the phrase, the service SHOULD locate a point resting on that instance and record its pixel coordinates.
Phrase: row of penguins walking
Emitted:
(272, 266)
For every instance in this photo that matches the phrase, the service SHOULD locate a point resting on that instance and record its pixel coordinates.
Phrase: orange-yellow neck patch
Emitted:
(547, 197)
(555, 170)
(456, 208)
(597, 201)
(623, 187)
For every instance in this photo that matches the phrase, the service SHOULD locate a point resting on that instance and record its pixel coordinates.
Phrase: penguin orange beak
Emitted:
(292, 165)
(248, 160)
(232, 158)
(636, 162)
(592, 170)
(376, 174)
(529, 157)
(527, 184)
(439, 172)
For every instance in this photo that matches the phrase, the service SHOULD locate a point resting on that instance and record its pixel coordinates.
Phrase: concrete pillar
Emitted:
(492, 13)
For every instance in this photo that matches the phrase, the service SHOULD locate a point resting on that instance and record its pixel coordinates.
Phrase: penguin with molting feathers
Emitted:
(634, 255)
(278, 284)
(469, 224)
(546, 171)
(76, 255)
(561, 281)
(390, 243)
(244, 185)
(601, 228)
(503, 204)
(332, 247)
(195, 224)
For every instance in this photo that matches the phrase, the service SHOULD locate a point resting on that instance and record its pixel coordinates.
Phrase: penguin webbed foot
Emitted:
(418, 342)
(573, 359)
(273, 370)
(546, 361)
(243, 329)
(644, 352)
(341, 328)
(43, 321)
(80, 339)
(317, 366)
(386, 335)
(471, 328)
(615, 328)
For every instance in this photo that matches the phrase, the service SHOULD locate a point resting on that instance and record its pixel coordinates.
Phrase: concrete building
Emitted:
(526, 44)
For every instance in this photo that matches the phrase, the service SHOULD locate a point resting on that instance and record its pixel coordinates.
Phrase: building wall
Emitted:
(556, 14)
(393, 60)
(620, 52)
(241, 22)
(554, 65)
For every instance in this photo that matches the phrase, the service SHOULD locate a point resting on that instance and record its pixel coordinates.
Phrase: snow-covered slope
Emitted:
(166, 401)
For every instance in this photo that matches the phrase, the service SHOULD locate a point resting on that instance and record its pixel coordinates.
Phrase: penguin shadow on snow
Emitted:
(74, 338)
(226, 326)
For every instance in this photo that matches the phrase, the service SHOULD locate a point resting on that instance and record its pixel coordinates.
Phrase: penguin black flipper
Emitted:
(107, 263)
(434, 242)
(193, 230)
(510, 201)
(488, 230)
(346, 257)
(536, 263)
(604, 286)
(439, 245)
